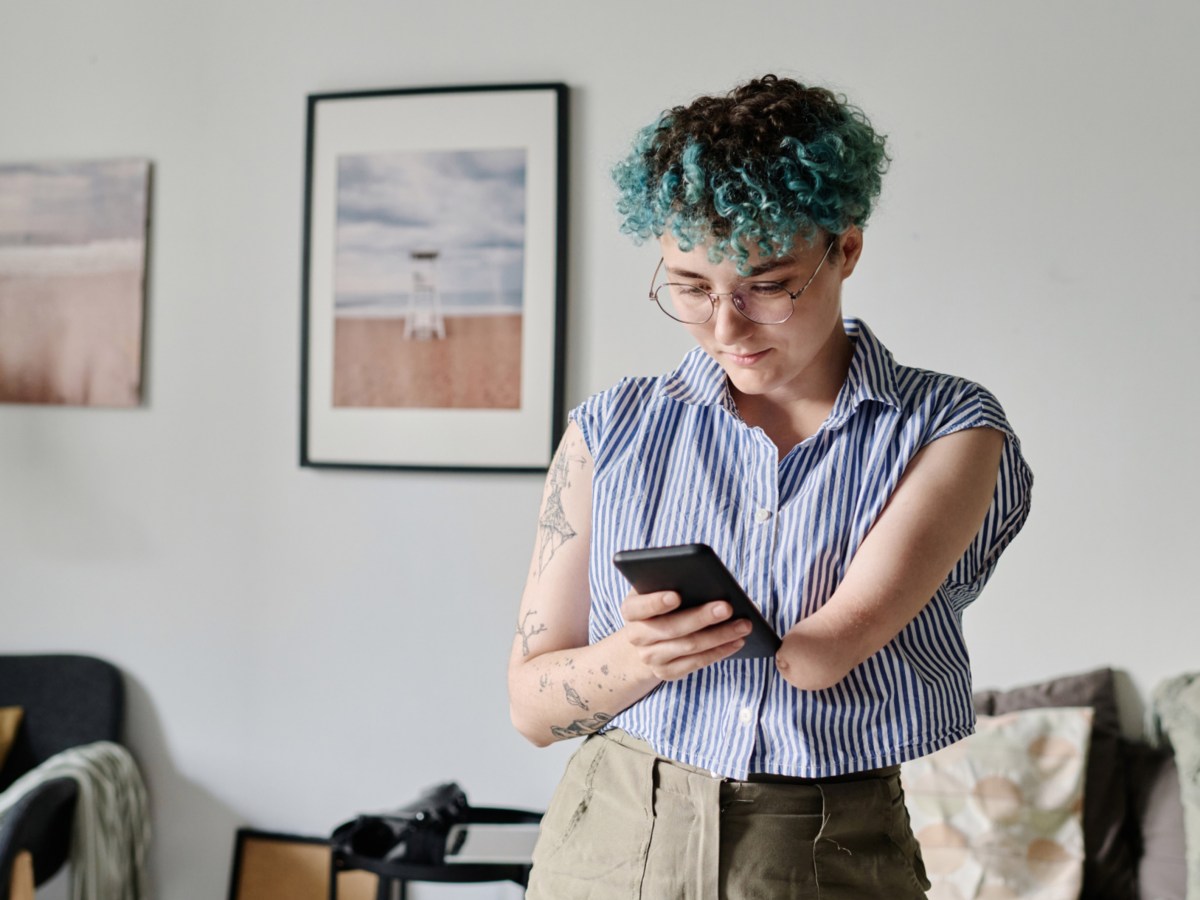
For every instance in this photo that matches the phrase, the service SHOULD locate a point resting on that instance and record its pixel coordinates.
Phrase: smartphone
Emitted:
(696, 573)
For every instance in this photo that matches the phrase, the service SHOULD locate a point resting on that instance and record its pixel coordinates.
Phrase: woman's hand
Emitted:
(672, 642)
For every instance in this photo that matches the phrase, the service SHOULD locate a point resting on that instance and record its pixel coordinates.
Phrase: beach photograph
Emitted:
(72, 282)
(429, 279)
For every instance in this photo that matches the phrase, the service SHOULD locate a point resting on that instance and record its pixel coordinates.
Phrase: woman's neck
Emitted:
(791, 415)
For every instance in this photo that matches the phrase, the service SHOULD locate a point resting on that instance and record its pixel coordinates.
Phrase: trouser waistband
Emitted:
(633, 743)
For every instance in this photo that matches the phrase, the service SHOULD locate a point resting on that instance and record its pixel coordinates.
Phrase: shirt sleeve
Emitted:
(604, 418)
(976, 407)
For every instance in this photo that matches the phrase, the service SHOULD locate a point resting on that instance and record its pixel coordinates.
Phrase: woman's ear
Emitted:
(850, 244)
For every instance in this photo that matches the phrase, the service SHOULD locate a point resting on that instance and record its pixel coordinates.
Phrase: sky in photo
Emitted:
(54, 204)
(466, 205)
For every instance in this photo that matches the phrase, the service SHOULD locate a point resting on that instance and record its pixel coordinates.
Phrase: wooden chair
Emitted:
(68, 701)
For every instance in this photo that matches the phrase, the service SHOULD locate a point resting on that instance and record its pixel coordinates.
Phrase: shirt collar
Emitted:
(872, 375)
(700, 381)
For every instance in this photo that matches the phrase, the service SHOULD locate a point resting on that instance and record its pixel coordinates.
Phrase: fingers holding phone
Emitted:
(674, 642)
(668, 581)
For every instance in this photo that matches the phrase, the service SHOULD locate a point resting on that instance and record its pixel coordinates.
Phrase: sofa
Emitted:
(1050, 799)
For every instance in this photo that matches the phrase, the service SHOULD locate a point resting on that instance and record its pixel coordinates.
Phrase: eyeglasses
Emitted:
(762, 302)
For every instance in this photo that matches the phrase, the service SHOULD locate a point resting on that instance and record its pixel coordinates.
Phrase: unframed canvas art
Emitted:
(429, 279)
(72, 281)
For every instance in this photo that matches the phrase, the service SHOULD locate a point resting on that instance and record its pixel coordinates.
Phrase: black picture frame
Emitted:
(434, 278)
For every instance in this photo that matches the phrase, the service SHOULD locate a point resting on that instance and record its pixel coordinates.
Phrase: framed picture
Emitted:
(434, 278)
(72, 281)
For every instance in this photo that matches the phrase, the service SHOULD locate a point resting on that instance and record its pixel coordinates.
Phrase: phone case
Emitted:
(696, 573)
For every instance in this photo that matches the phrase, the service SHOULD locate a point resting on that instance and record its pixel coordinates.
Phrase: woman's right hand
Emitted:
(673, 642)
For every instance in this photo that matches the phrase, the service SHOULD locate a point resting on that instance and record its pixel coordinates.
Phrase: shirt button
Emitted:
(746, 716)
(762, 515)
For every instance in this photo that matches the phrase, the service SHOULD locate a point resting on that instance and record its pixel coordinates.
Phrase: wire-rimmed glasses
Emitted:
(762, 302)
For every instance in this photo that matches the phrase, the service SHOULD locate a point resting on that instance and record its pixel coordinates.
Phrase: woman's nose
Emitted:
(728, 323)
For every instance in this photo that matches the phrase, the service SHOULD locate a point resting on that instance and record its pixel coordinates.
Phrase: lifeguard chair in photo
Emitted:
(424, 316)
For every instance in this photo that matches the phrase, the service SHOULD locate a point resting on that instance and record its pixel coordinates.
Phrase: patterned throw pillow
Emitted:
(999, 815)
(1110, 862)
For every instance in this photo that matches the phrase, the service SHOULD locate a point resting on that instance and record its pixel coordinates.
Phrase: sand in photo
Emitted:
(477, 365)
(72, 340)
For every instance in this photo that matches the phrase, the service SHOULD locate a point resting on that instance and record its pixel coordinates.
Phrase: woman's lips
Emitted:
(746, 359)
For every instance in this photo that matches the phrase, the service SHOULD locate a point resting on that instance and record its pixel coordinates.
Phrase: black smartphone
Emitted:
(696, 573)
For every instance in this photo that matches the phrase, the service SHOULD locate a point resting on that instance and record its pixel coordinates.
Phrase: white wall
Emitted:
(302, 645)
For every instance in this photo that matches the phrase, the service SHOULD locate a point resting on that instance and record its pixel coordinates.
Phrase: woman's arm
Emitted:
(560, 686)
(928, 523)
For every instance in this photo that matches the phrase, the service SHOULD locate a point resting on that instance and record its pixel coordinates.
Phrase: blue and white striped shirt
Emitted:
(674, 463)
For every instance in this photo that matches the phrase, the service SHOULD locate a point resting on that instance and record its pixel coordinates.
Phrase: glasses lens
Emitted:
(765, 302)
(684, 303)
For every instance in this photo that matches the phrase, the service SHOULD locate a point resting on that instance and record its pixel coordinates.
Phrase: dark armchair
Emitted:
(68, 701)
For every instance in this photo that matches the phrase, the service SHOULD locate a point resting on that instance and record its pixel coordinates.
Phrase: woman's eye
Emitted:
(766, 289)
(687, 290)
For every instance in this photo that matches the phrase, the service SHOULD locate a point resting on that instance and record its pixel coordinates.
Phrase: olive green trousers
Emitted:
(625, 823)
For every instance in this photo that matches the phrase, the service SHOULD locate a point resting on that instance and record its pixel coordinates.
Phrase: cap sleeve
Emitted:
(604, 418)
(976, 407)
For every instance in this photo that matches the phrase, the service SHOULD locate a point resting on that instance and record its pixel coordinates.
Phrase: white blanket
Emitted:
(112, 822)
(1174, 719)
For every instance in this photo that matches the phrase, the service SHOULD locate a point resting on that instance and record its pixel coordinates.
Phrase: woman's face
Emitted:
(780, 362)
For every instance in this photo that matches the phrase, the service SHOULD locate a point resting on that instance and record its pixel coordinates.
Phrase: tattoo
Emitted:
(604, 669)
(543, 683)
(527, 633)
(553, 528)
(580, 727)
(573, 697)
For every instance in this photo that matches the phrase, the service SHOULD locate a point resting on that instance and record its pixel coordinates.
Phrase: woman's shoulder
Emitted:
(634, 400)
(878, 375)
(694, 378)
(629, 391)
(916, 386)
(615, 409)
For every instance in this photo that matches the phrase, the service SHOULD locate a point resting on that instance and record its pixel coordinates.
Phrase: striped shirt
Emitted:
(674, 463)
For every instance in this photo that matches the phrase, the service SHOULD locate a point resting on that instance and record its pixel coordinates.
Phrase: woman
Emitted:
(861, 503)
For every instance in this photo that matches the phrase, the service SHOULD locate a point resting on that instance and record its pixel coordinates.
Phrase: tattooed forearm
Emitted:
(526, 632)
(573, 697)
(580, 727)
(553, 528)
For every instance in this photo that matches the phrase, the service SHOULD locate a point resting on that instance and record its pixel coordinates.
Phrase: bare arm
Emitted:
(928, 523)
(560, 686)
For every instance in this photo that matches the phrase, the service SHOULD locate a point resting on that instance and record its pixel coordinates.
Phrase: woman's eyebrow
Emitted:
(770, 266)
(684, 273)
(755, 271)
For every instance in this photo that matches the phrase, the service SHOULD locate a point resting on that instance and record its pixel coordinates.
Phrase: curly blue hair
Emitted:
(771, 161)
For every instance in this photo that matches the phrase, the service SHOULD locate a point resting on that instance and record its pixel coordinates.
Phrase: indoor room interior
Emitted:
(300, 644)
